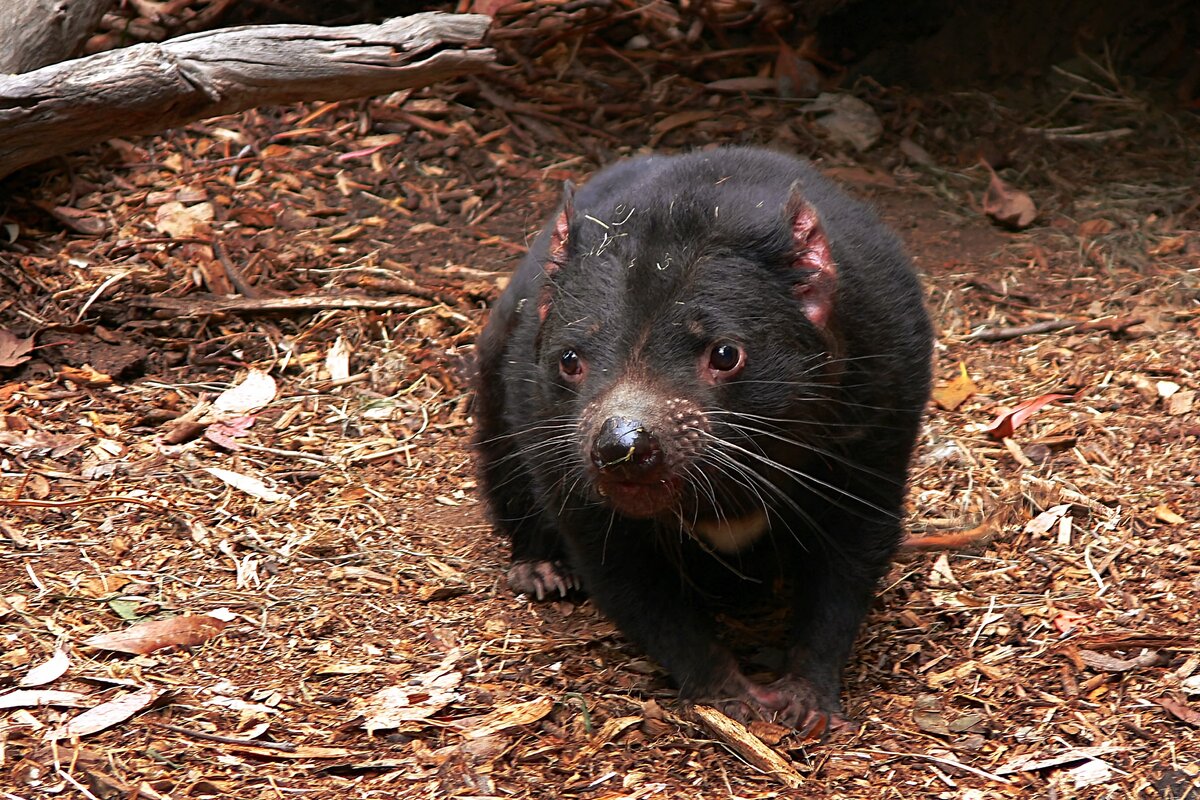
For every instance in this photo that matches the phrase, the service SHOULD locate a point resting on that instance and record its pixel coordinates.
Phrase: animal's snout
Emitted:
(624, 449)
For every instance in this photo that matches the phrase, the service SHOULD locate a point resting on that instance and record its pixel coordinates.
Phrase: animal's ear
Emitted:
(558, 249)
(811, 257)
(562, 228)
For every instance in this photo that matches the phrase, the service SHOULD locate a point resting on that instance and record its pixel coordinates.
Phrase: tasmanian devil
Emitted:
(704, 384)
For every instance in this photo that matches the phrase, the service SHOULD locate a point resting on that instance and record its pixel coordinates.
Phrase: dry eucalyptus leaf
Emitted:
(106, 715)
(395, 705)
(48, 671)
(146, 637)
(254, 392)
(246, 483)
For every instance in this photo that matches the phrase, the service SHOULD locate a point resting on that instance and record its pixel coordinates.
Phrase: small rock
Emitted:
(848, 120)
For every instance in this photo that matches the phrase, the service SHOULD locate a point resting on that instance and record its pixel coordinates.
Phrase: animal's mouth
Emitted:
(639, 499)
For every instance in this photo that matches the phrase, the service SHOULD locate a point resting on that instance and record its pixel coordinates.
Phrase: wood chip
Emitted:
(738, 738)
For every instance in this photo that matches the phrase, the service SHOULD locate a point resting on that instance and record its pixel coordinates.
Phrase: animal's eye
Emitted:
(724, 358)
(571, 365)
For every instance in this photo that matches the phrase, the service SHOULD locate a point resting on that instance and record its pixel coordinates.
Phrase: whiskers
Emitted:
(742, 467)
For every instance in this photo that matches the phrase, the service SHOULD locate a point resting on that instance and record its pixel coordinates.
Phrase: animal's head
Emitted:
(680, 335)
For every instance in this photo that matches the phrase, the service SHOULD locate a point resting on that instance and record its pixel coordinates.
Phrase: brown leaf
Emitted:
(146, 637)
(1006, 423)
(185, 222)
(1169, 246)
(795, 76)
(679, 119)
(1066, 621)
(927, 713)
(953, 394)
(89, 223)
(86, 375)
(14, 351)
(771, 733)
(1008, 206)
(57, 445)
(1184, 712)
(1095, 227)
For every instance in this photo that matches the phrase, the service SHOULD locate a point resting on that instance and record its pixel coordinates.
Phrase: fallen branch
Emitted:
(34, 33)
(1108, 324)
(149, 87)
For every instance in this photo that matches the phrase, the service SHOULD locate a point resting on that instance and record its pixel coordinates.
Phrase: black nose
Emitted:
(625, 450)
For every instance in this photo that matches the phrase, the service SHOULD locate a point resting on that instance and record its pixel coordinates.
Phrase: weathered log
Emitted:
(150, 87)
(34, 33)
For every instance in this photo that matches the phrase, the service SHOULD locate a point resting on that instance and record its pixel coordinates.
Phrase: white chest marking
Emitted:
(732, 535)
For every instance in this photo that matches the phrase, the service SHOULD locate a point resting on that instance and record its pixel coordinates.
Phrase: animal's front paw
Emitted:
(542, 578)
(798, 704)
(788, 701)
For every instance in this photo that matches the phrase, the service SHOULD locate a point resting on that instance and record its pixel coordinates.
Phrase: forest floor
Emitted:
(364, 642)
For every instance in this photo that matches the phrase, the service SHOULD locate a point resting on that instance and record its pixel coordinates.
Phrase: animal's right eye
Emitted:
(723, 361)
(571, 365)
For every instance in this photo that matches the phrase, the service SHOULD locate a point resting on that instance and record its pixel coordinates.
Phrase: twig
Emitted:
(1065, 135)
(87, 501)
(199, 306)
(949, 762)
(1109, 324)
(381, 454)
(283, 747)
(257, 448)
(530, 110)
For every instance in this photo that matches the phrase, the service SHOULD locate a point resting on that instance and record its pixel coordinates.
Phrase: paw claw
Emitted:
(540, 579)
(789, 701)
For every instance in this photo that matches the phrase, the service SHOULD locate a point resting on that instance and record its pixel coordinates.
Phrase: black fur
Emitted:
(664, 257)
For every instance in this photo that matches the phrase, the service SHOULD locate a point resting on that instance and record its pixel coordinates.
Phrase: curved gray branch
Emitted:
(150, 87)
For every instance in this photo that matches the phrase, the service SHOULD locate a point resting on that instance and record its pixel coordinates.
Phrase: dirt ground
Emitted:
(368, 645)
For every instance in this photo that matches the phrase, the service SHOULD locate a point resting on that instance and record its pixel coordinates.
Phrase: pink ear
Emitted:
(562, 229)
(558, 249)
(812, 256)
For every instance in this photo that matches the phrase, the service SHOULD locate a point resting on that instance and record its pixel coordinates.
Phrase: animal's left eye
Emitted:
(725, 359)
(571, 365)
